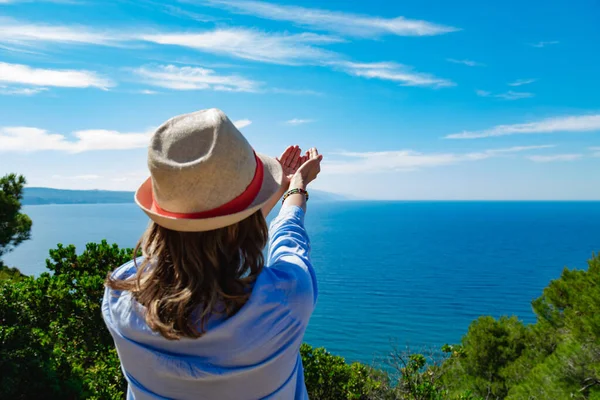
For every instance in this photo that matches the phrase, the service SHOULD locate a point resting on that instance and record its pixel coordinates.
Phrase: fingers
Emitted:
(291, 153)
(298, 159)
(286, 152)
(294, 157)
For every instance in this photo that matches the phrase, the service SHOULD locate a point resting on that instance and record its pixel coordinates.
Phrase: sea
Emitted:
(392, 275)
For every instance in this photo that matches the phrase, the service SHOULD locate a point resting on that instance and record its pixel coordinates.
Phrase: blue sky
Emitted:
(406, 100)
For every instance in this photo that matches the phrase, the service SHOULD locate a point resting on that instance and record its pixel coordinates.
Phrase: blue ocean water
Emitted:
(390, 273)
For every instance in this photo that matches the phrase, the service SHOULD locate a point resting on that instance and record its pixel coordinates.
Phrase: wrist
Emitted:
(296, 183)
(285, 183)
(295, 192)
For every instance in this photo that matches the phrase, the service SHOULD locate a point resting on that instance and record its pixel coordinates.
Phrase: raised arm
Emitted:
(289, 246)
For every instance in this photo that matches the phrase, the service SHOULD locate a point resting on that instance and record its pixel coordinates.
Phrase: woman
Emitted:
(200, 316)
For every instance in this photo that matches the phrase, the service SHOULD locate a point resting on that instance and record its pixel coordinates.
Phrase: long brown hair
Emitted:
(187, 277)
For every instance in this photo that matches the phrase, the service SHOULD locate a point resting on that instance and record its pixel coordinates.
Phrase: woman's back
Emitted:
(251, 355)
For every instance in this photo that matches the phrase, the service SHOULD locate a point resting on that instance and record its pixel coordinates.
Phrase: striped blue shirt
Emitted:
(251, 355)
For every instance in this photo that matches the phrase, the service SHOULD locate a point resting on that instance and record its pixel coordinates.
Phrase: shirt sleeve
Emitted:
(289, 256)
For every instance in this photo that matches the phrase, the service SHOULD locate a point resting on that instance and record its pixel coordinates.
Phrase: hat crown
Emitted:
(198, 162)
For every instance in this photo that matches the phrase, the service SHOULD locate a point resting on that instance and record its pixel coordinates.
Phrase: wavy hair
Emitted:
(187, 277)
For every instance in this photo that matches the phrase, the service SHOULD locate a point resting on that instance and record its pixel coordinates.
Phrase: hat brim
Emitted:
(272, 181)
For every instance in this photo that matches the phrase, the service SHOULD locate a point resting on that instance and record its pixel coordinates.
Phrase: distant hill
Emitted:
(39, 195)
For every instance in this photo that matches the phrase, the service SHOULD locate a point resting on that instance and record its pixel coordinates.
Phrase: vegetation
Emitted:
(15, 227)
(53, 342)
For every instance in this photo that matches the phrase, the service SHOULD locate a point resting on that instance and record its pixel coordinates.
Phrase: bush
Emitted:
(329, 377)
(53, 344)
(53, 341)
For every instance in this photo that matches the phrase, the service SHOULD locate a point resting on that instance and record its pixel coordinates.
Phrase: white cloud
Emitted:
(42, 1)
(301, 92)
(26, 75)
(555, 157)
(194, 78)
(510, 95)
(248, 44)
(394, 72)
(575, 123)
(596, 151)
(544, 44)
(24, 33)
(180, 12)
(409, 160)
(335, 21)
(298, 121)
(277, 48)
(242, 123)
(21, 91)
(87, 177)
(521, 82)
(468, 63)
(148, 92)
(28, 139)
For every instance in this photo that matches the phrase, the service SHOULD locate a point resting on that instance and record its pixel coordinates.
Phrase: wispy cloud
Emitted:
(391, 71)
(469, 63)
(194, 78)
(29, 139)
(555, 157)
(410, 160)
(298, 121)
(242, 123)
(87, 177)
(544, 44)
(335, 21)
(24, 33)
(300, 92)
(510, 95)
(26, 75)
(180, 12)
(521, 82)
(574, 123)
(148, 92)
(277, 48)
(73, 2)
(21, 91)
(248, 44)
(595, 151)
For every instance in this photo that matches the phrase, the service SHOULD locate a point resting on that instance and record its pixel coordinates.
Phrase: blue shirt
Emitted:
(251, 355)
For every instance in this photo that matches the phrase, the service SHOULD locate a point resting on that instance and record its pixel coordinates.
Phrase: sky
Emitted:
(434, 100)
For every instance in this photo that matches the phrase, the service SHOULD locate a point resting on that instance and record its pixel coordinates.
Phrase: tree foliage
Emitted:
(53, 344)
(558, 357)
(15, 227)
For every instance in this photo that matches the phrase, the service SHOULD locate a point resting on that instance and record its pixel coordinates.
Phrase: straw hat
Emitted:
(204, 174)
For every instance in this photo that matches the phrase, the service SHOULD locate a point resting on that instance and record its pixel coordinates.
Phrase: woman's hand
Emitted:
(308, 171)
(290, 161)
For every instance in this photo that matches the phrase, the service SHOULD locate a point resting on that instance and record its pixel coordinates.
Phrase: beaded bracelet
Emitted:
(295, 191)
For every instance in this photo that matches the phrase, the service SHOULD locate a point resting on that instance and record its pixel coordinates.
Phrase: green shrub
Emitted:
(53, 344)
(329, 377)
